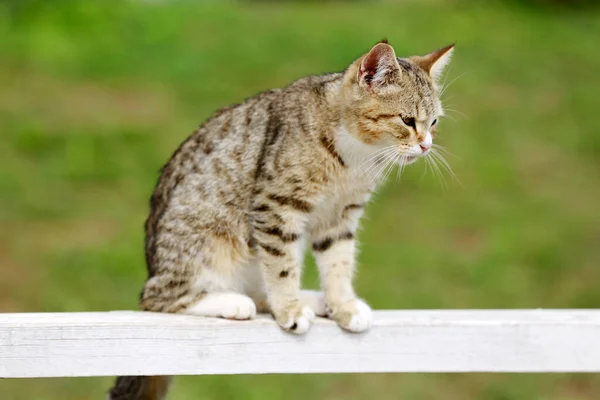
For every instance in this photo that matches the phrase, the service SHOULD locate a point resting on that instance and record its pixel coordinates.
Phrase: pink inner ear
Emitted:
(372, 61)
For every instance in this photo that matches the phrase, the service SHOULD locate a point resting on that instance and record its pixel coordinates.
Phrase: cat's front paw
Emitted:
(295, 317)
(353, 315)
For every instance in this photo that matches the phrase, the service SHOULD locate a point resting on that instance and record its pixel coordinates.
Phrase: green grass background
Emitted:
(94, 97)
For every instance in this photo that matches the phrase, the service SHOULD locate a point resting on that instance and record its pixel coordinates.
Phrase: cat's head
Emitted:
(394, 102)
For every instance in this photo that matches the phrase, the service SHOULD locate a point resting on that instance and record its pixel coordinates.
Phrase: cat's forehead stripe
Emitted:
(416, 75)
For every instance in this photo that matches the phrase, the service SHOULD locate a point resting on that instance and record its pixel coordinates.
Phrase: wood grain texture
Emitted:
(137, 343)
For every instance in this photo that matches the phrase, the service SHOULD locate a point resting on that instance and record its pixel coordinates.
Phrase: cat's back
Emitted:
(224, 154)
(222, 151)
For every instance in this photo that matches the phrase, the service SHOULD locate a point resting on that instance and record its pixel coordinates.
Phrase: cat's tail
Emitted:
(140, 388)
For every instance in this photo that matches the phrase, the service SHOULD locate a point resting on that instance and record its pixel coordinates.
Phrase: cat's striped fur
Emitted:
(238, 200)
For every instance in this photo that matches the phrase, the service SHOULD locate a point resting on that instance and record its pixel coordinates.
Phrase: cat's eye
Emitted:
(409, 121)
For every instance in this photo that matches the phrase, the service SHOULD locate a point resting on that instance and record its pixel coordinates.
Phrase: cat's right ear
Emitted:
(434, 63)
(378, 67)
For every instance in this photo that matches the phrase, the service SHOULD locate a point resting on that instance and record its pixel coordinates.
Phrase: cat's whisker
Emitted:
(393, 164)
(447, 166)
(457, 112)
(374, 172)
(374, 162)
(438, 147)
(396, 164)
(401, 164)
(438, 173)
(389, 160)
(447, 106)
(377, 159)
(443, 150)
(434, 170)
(405, 163)
(383, 171)
(377, 154)
(451, 118)
(436, 154)
(373, 166)
(428, 167)
(445, 87)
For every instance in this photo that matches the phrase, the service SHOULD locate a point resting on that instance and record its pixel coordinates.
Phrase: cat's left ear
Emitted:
(378, 67)
(434, 63)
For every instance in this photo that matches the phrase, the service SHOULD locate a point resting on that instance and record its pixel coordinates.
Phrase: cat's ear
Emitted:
(378, 66)
(434, 63)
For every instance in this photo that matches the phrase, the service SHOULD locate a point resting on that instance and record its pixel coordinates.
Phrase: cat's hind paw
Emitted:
(229, 305)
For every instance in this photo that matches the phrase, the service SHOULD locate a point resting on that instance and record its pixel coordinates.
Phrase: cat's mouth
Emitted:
(410, 158)
(406, 160)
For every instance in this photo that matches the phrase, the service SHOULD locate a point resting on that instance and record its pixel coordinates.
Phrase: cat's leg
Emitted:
(221, 302)
(219, 289)
(254, 287)
(205, 280)
(278, 231)
(334, 249)
(281, 273)
(335, 259)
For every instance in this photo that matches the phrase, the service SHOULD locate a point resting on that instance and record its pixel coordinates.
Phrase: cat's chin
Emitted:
(408, 160)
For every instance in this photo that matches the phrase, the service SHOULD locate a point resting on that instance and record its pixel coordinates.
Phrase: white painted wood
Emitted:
(130, 343)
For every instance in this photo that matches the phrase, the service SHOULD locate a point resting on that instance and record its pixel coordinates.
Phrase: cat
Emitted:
(239, 199)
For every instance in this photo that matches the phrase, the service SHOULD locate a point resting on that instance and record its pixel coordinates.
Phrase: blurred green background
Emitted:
(94, 97)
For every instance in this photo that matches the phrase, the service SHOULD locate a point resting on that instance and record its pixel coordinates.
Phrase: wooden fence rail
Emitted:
(137, 343)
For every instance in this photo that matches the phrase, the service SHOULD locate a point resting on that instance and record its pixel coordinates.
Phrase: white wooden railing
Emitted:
(132, 343)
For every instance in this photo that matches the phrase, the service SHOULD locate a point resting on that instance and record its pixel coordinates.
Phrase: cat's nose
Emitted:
(427, 142)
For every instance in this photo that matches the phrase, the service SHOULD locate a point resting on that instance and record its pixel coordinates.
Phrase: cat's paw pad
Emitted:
(354, 315)
(315, 300)
(296, 318)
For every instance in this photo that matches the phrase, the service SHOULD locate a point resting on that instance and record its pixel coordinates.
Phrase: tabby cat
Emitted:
(236, 203)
